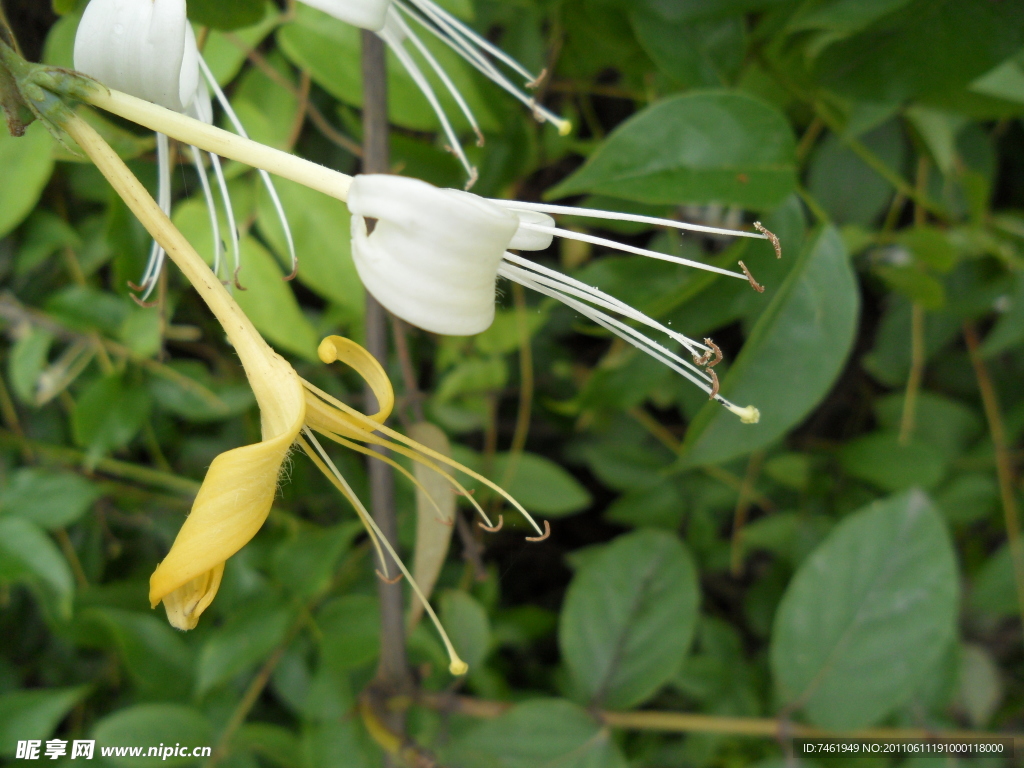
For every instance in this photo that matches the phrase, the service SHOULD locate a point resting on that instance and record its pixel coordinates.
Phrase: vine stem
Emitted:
(1004, 461)
(684, 722)
(392, 672)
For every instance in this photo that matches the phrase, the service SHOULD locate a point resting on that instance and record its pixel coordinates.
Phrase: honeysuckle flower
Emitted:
(390, 20)
(238, 491)
(434, 256)
(147, 48)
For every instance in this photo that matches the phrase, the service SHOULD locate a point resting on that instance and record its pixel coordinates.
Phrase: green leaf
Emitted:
(305, 562)
(28, 556)
(629, 617)
(541, 485)
(27, 164)
(790, 360)
(895, 59)
(351, 631)
(710, 147)
(108, 415)
(155, 656)
(547, 732)
(277, 744)
(270, 304)
(994, 590)
(226, 14)
(34, 714)
(698, 53)
(882, 460)
(868, 615)
(49, 499)
(320, 228)
(241, 643)
(150, 725)
(196, 396)
(26, 362)
(466, 623)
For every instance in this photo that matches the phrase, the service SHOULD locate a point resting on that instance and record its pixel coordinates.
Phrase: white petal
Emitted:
(433, 256)
(135, 46)
(189, 83)
(366, 14)
(530, 240)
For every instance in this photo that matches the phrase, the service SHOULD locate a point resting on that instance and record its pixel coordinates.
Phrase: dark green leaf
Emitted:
(241, 643)
(48, 498)
(150, 725)
(628, 618)
(896, 59)
(34, 714)
(538, 733)
(868, 615)
(27, 164)
(466, 623)
(884, 461)
(712, 147)
(109, 414)
(28, 556)
(226, 14)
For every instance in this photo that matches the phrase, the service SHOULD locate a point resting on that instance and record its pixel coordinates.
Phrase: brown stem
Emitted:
(1004, 462)
(393, 672)
(917, 364)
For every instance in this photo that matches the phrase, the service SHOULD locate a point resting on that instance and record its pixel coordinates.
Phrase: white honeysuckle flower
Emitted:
(390, 20)
(147, 48)
(434, 255)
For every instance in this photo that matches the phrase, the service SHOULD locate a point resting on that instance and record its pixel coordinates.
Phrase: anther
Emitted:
(494, 528)
(535, 83)
(718, 354)
(703, 360)
(772, 238)
(294, 273)
(386, 580)
(479, 137)
(547, 533)
(144, 304)
(442, 521)
(238, 285)
(753, 283)
(474, 174)
(714, 383)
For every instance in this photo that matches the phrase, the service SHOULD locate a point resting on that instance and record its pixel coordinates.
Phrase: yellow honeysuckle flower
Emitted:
(238, 491)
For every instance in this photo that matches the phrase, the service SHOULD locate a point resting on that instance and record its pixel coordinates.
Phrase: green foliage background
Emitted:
(840, 564)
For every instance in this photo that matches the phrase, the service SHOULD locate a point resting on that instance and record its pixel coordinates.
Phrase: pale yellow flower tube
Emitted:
(239, 488)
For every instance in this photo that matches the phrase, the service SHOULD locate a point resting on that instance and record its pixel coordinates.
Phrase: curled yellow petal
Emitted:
(342, 350)
(235, 497)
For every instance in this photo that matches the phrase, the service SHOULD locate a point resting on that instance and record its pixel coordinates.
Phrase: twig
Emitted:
(120, 469)
(1004, 463)
(917, 364)
(413, 396)
(393, 672)
(683, 722)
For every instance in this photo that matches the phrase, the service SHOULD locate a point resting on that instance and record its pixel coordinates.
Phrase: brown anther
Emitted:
(134, 287)
(717, 352)
(535, 83)
(238, 285)
(294, 273)
(467, 494)
(772, 238)
(144, 304)
(753, 283)
(494, 528)
(703, 359)
(442, 521)
(547, 533)
(479, 137)
(386, 580)
(474, 175)
(714, 383)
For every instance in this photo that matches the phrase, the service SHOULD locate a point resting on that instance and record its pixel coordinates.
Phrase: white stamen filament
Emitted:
(222, 99)
(457, 665)
(568, 234)
(211, 206)
(466, 43)
(455, 146)
(592, 213)
(229, 210)
(442, 75)
(156, 252)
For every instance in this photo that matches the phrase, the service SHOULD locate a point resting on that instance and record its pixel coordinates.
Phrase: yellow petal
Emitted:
(235, 497)
(337, 348)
